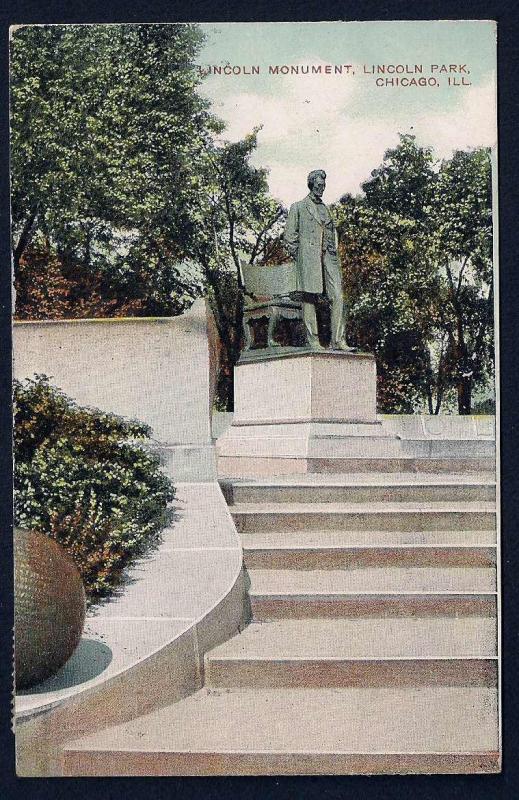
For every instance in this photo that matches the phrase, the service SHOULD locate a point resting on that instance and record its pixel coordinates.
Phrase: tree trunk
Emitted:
(462, 354)
(440, 386)
(465, 395)
(229, 400)
(229, 329)
(25, 237)
(429, 398)
(439, 398)
(234, 352)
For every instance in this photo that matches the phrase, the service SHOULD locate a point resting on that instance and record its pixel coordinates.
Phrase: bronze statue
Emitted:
(311, 239)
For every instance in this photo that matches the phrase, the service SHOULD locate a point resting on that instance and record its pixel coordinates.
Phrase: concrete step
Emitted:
(408, 464)
(273, 539)
(352, 516)
(250, 467)
(290, 553)
(301, 731)
(382, 487)
(372, 592)
(346, 446)
(358, 652)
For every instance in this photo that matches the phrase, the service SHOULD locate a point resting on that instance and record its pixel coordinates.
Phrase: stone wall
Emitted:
(158, 370)
(409, 426)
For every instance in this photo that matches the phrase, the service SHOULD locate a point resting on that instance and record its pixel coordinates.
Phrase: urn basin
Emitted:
(50, 607)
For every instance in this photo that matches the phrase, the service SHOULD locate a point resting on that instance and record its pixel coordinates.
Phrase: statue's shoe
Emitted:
(343, 347)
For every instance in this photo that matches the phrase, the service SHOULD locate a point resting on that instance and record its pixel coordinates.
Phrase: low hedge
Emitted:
(83, 479)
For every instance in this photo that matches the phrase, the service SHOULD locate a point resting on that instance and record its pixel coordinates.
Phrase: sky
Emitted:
(344, 123)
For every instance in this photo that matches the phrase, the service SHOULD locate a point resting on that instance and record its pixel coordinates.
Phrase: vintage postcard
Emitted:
(255, 273)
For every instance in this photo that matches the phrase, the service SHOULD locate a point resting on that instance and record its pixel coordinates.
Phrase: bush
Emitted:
(50, 287)
(487, 406)
(82, 479)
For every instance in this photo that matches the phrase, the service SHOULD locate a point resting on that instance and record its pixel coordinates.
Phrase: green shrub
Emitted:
(81, 478)
(487, 406)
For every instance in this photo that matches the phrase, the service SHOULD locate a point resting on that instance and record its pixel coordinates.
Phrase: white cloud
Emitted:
(244, 111)
(297, 103)
(307, 124)
(472, 124)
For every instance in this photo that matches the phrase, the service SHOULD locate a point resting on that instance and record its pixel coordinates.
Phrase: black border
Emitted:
(450, 787)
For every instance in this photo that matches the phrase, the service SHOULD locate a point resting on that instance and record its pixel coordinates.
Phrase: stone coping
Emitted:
(307, 421)
(404, 426)
(273, 354)
(89, 320)
(168, 593)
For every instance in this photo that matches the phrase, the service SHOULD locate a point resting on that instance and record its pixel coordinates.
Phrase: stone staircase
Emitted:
(372, 646)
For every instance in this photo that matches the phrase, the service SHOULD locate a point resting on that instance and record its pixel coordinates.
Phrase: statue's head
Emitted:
(317, 181)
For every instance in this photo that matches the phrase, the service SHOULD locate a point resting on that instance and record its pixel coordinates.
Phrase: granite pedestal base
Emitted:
(299, 385)
(300, 405)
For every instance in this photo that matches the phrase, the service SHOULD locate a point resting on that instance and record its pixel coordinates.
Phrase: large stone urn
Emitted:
(50, 607)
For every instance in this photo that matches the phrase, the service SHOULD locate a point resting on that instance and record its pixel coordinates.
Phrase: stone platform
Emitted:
(144, 647)
(373, 590)
(372, 647)
(300, 411)
(301, 385)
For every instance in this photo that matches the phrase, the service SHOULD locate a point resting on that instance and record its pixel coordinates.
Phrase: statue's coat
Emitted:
(303, 240)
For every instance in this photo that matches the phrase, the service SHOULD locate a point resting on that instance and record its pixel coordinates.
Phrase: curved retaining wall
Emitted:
(189, 594)
(193, 585)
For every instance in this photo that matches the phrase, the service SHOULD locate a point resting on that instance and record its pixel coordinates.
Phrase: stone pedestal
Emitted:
(305, 386)
(297, 406)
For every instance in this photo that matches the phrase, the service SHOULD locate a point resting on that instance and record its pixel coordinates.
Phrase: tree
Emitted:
(462, 221)
(123, 202)
(108, 139)
(238, 221)
(416, 254)
(389, 284)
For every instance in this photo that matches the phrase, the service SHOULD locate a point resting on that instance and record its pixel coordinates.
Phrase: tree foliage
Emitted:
(109, 140)
(125, 201)
(462, 223)
(239, 222)
(416, 249)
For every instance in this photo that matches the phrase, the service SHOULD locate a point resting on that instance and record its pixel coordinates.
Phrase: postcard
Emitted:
(255, 357)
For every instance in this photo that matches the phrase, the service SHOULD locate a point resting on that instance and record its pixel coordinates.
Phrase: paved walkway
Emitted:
(165, 593)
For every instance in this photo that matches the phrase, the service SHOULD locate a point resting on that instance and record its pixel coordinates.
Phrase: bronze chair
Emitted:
(270, 292)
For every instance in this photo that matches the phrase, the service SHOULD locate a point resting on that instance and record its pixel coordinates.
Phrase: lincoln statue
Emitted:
(311, 239)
